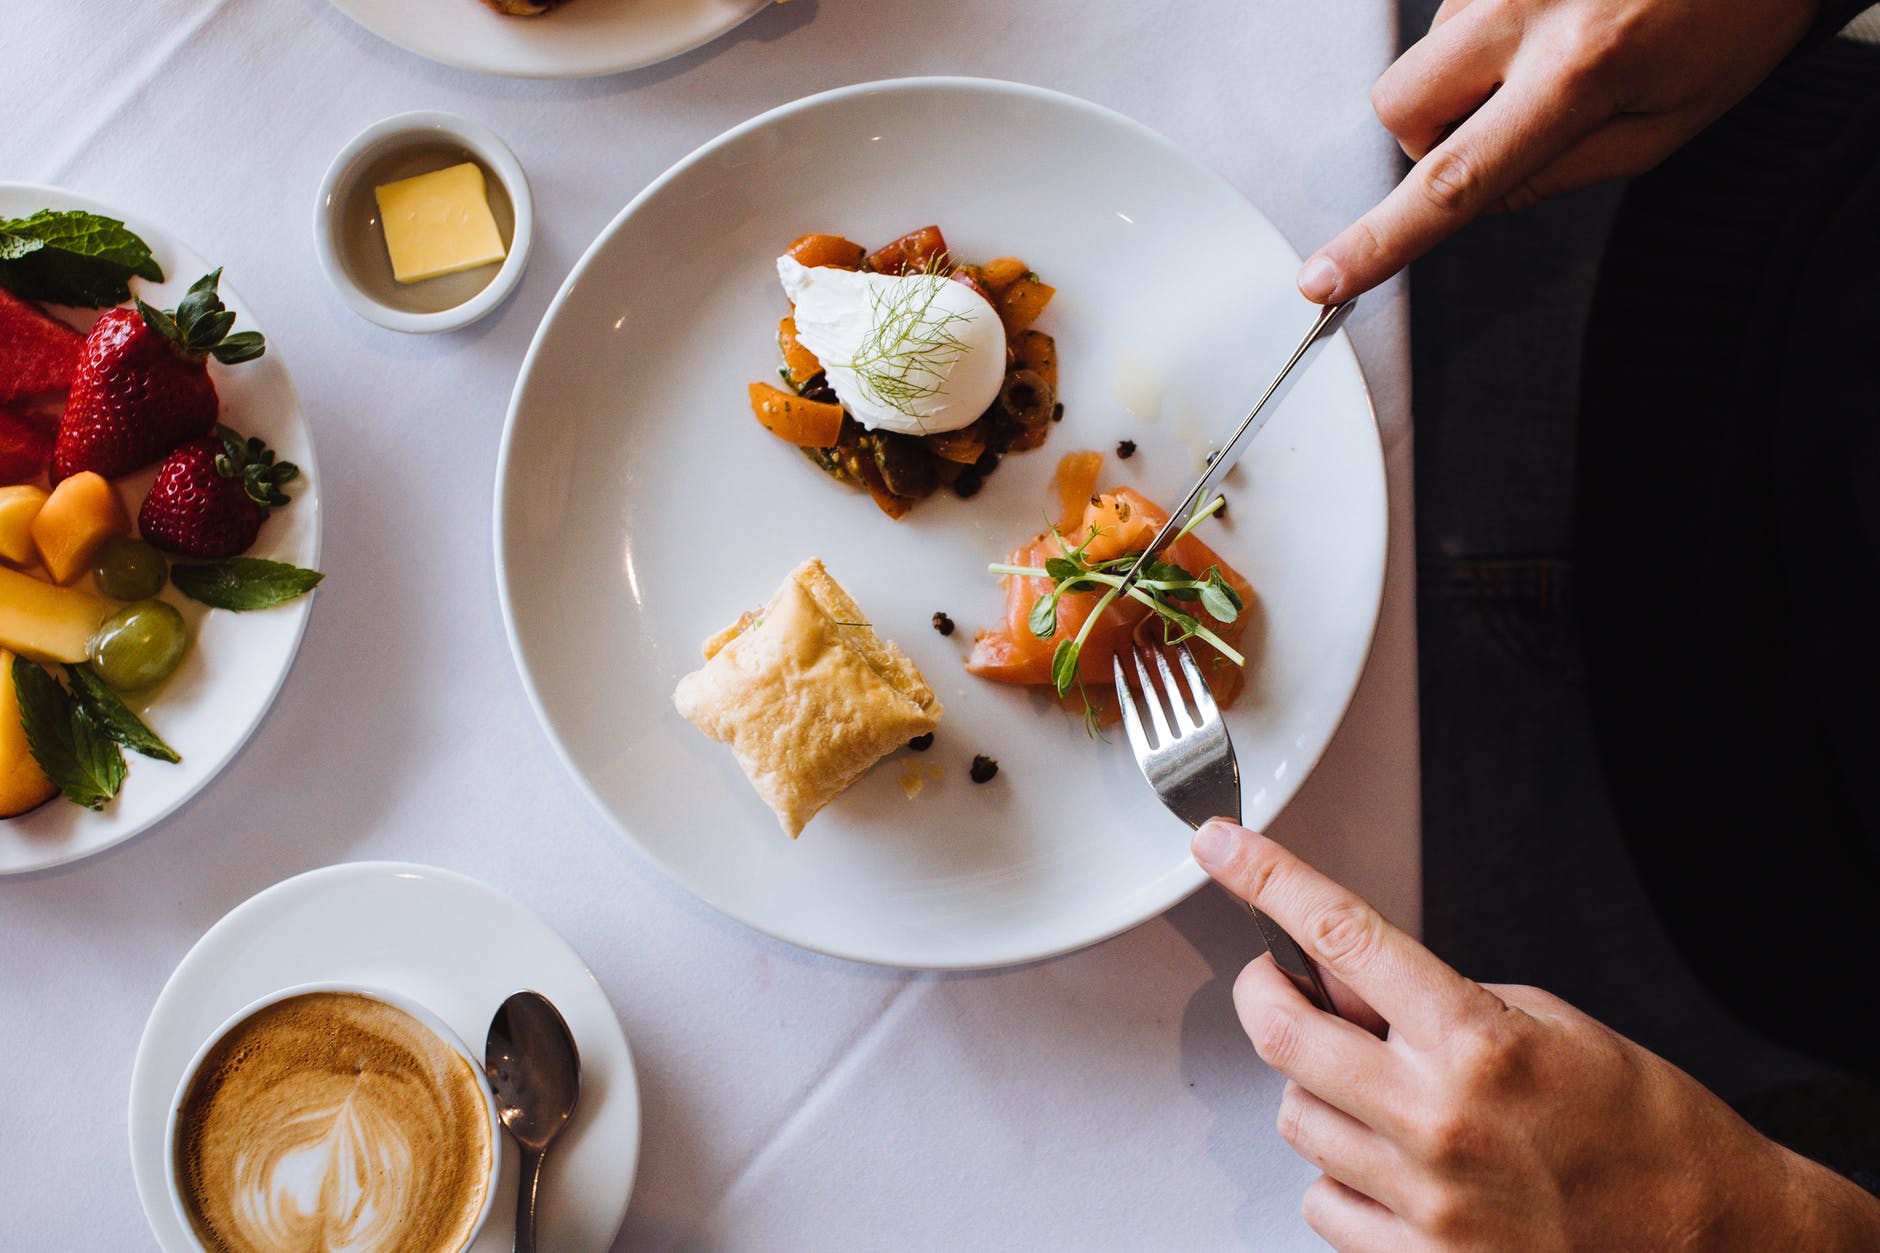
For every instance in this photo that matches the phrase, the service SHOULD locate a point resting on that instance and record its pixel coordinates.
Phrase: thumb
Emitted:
(1345, 1002)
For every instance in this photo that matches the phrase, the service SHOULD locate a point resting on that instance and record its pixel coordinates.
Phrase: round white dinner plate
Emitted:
(236, 661)
(454, 945)
(580, 39)
(640, 508)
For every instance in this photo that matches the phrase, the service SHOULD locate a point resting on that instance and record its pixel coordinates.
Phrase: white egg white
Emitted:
(839, 315)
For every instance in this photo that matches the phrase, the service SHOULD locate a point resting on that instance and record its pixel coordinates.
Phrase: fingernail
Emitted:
(1318, 279)
(1215, 844)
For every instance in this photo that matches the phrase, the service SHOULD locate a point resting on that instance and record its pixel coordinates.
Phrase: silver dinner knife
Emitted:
(1193, 768)
(1330, 318)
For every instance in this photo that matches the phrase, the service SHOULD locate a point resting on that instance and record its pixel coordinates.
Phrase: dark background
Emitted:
(1527, 877)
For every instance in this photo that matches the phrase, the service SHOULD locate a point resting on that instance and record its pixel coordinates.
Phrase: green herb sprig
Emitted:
(72, 258)
(74, 735)
(1168, 590)
(910, 345)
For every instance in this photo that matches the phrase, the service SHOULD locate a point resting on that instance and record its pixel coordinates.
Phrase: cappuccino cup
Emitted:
(330, 1117)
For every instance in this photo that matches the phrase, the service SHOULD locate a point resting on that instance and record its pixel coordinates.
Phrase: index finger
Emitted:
(1516, 133)
(1418, 993)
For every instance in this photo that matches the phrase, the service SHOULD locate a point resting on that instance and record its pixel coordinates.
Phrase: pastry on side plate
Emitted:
(807, 695)
(522, 8)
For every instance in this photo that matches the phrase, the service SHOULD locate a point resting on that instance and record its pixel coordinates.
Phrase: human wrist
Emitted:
(1822, 1210)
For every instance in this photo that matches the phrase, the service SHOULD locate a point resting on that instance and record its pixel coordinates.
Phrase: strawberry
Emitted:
(211, 495)
(142, 386)
(25, 443)
(37, 353)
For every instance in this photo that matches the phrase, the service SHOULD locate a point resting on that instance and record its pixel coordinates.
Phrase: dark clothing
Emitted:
(1728, 547)
(1536, 872)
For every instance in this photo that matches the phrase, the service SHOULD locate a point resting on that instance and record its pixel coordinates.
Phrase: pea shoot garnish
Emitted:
(1167, 589)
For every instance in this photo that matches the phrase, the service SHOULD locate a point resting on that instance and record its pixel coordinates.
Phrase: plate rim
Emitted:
(1188, 876)
(303, 608)
(344, 871)
(352, 10)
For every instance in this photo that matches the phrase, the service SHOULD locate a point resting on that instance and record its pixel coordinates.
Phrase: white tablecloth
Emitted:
(1104, 1100)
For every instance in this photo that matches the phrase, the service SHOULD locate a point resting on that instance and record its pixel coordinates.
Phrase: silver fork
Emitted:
(1193, 770)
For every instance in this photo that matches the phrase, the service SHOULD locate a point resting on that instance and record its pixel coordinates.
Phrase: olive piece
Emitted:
(906, 467)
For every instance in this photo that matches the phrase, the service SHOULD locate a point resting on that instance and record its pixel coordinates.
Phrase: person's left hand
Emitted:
(1497, 1118)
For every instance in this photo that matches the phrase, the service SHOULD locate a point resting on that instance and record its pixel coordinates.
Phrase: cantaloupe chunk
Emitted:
(19, 505)
(47, 622)
(83, 512)
(23, 785)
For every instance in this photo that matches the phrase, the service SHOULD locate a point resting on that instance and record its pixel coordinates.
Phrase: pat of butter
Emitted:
(439, 223)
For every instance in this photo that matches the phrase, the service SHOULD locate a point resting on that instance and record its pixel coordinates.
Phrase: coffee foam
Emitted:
(333, 1123)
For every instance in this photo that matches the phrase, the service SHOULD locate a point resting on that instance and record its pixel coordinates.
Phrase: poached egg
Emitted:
(913, 353)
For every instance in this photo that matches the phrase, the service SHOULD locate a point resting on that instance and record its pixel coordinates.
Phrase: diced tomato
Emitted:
(830, 250)
(915, 251)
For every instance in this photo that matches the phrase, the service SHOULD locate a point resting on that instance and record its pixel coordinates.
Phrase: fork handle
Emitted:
(1292, 961)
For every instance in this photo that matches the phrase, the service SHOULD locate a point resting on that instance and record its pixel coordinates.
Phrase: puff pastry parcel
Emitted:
(807, 695)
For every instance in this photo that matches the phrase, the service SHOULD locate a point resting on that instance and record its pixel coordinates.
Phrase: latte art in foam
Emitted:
(333, 1123)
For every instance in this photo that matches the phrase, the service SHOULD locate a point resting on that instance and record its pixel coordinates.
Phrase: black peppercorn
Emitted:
(983, 769)
(921, 743)
(1126, 449)
(942, 623)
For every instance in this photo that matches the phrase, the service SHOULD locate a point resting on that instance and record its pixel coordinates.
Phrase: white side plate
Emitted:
(579, 40)
(236, 662)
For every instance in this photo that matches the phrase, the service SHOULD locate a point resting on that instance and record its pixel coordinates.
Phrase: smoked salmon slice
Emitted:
(1124, 521)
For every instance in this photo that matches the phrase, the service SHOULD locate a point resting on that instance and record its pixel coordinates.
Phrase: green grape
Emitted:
(129, 569)
(139, 646)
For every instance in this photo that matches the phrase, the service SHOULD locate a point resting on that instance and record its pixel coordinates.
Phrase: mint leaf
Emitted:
(115, 717)
(244, 583)
(73, 258)
(75, 752)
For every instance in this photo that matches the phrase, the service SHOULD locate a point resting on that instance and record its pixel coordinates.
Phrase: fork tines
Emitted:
(1166, 693)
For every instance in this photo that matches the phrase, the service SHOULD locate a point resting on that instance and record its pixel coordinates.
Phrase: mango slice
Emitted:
(19, 505)
(23, 785)
(47, 622)
(83, 512)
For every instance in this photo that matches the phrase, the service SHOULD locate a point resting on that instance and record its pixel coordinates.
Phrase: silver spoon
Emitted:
(535, 1072)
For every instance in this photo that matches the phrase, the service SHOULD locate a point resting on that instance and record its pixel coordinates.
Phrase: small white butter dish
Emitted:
(350, 240)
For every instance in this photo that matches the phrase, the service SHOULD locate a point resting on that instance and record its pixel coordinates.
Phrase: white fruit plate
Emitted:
(582, 39)
(236, 662)
(639, 508)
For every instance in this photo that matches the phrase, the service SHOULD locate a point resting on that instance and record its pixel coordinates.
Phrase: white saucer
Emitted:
(456, 946)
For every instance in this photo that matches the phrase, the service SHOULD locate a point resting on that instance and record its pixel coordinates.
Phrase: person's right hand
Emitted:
(1508, 101)
(1492, 1117)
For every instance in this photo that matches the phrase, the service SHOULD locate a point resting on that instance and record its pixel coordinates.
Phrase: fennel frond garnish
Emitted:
(910, 345)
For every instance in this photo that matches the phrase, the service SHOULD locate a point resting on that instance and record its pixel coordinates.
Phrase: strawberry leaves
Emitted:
(199, 325)
(253, 463)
